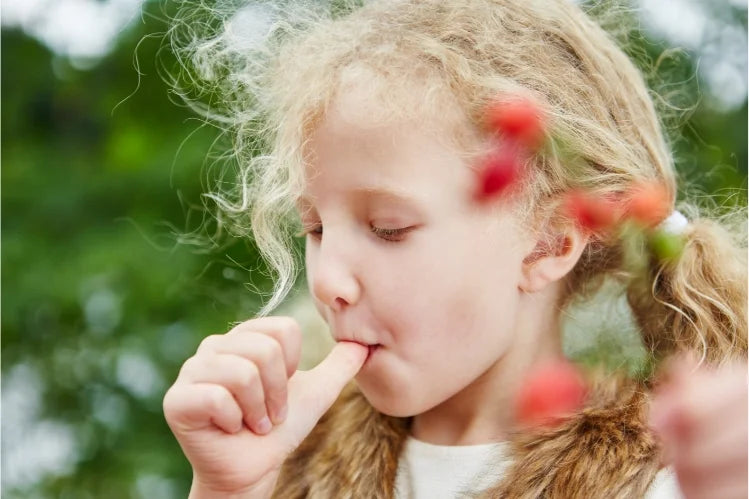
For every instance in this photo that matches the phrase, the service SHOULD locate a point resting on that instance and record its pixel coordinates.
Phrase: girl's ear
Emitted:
(552, 258)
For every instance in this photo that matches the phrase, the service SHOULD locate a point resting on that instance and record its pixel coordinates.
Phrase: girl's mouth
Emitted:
(372, 350)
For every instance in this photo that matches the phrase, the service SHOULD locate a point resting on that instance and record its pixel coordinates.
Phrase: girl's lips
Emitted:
(372, 350)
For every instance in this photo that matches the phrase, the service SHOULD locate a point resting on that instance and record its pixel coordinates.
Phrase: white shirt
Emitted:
(429, 471)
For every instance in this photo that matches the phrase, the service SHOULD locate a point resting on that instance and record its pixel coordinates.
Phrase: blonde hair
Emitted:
(271, 94)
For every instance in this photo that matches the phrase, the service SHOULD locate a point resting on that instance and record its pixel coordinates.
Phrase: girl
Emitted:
(440, 302)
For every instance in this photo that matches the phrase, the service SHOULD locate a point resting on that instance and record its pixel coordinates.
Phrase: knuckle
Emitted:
(189, 366)
(249, 377)
(290, 326)
(209, 342)
(168, 404)
(270, 352)
(215, 398)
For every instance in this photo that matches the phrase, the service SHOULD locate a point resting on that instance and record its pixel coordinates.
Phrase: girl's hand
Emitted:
(223, 394)
(701, 419)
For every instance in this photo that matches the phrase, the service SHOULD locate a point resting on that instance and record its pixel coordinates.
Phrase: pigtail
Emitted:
(699, 301)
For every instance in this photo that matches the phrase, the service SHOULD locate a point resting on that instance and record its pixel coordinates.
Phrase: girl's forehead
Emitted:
(364, 98)
(366, 150)
(349, 130)
(401, 165)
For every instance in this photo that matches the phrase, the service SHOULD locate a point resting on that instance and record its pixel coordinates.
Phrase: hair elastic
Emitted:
(676, 223)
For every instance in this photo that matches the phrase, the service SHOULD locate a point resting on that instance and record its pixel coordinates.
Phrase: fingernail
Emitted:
(282, 413)
(264, 425)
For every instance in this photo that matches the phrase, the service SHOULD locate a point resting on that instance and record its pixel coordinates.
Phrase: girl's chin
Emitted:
(386, 393)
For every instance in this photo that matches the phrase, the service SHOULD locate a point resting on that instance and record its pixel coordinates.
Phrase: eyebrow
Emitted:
(385, 192)
(376, 191)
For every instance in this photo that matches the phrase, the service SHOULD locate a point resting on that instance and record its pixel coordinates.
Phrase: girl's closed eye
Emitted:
(391, 235)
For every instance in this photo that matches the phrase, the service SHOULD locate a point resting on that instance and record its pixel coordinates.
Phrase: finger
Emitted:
(197, 406)
(316, 390)
(266, 353)
(238, 375)
(285, 330)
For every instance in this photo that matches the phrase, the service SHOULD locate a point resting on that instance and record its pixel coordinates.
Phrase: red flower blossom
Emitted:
(550, 394)
(591, 212)
(648, 203)
(498, 172)
(517, 119)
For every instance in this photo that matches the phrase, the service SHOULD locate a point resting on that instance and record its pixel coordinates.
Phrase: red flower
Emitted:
(591, 212)
(550, 394)
(499, 171)
(648, 203)
(517, 119)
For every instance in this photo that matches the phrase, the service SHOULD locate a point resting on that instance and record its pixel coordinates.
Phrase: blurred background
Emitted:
(102, 175)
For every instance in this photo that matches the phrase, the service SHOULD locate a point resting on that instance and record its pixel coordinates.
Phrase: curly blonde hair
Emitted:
(271, 94)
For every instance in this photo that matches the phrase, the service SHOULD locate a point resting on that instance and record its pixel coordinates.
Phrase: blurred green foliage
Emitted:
(100, 305)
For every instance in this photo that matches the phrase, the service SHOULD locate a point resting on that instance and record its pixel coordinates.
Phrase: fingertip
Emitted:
(238, 427)
(263, 426)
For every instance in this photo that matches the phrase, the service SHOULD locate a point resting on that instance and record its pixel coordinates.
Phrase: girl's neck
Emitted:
(483, 411)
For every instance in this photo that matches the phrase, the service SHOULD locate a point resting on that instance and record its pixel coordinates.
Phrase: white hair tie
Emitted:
(676, 223)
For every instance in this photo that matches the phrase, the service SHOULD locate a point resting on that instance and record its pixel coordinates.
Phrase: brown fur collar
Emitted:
(603, 451)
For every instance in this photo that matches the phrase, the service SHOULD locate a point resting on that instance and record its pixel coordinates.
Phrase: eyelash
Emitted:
(383, 234)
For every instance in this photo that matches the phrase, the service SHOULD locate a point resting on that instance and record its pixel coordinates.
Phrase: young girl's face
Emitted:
(399, 255)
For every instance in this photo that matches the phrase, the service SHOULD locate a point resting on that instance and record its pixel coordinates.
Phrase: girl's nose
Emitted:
(333, 280)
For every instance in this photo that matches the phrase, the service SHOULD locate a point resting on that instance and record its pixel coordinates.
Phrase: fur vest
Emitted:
(603, 451)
